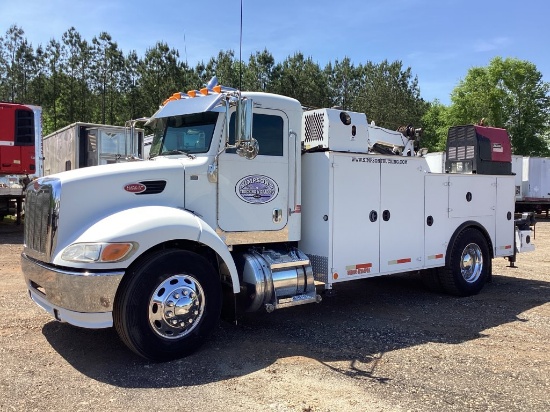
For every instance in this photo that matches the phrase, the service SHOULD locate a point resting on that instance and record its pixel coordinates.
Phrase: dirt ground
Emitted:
(383, 344)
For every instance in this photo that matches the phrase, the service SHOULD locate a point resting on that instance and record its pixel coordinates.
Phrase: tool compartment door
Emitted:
(436, 219)
(355, 220)
(401, 214)
(504, 217)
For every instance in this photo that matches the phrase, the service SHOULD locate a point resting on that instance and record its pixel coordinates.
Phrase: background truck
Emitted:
(249, 203)
(87, 144)
(20, 154)
(20, 139)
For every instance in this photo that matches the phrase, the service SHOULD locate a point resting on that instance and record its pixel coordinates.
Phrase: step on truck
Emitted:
(249, 203)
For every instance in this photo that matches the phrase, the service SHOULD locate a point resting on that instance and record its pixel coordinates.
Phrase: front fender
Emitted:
(148, 226)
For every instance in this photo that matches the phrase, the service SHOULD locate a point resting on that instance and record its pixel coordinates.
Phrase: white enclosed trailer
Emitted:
(251, 203)
(86, 144)
(534, 194)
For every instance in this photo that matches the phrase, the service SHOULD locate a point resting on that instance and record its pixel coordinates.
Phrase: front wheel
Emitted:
(469, 265)
(168, 305)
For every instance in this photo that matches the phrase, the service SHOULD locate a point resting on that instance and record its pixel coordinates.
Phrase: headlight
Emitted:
(98, 252)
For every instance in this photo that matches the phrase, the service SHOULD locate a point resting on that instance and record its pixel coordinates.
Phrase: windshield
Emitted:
(189, 134)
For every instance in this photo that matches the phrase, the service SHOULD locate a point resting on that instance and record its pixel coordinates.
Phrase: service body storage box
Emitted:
(363, 214)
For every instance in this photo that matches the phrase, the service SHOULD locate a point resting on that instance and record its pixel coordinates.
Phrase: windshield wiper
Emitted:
(173, 152)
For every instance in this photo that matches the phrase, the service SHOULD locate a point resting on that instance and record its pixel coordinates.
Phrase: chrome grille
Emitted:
(41, 211)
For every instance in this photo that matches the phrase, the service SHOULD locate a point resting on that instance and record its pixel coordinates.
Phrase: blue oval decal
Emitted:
(257, 189)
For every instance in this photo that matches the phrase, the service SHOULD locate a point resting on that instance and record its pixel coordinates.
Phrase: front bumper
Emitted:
(80, 298)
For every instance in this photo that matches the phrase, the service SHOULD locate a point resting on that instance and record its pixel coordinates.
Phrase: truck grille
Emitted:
(41, 213)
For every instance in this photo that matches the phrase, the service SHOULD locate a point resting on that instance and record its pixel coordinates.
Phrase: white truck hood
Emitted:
(90, 194)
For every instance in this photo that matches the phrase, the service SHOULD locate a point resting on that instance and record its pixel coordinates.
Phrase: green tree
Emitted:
(435, 127)
(76, 97)
(54, 70)
(109, 68)
(344, 81)
(390, 95)
(301, 79)
(257, 75)
(161, 75)
(511, 94)
(18, 66)
(224, 67)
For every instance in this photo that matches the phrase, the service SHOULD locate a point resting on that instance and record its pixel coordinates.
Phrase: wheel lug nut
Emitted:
(190, 320)
(169, 314)
(176, 295)
(174, 322)
(193, 295)
(196, 312)
(185, 293)
(170, 303)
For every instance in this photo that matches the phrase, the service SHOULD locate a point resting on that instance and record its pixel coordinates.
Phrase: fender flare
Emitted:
(150, 226)
(459, 229)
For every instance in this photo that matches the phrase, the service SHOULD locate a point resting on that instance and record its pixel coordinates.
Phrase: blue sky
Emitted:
(439, 40)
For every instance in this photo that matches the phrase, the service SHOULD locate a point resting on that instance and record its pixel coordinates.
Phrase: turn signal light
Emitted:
(114, 252)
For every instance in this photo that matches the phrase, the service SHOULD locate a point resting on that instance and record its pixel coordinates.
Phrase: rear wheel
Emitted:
(469, 264)
(168, 305)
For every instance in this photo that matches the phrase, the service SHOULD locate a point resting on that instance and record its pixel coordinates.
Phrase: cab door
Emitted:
(253, 194)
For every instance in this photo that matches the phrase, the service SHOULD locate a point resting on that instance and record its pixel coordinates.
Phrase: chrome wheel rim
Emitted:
(471, 263)
(176, 307)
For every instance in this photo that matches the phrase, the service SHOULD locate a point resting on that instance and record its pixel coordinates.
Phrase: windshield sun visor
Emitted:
(187, 106)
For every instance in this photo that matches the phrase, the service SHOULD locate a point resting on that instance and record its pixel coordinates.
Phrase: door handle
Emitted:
(277, 215)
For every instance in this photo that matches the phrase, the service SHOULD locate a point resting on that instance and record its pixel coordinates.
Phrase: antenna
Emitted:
(241, 51)
(185, 47)
(186, 63)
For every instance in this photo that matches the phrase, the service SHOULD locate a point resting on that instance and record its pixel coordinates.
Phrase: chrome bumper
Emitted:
(80, 298)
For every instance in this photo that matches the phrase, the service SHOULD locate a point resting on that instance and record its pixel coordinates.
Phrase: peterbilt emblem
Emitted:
(135, 187)
(257, 189)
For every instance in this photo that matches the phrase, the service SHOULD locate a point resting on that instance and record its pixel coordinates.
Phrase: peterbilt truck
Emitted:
(249, 203)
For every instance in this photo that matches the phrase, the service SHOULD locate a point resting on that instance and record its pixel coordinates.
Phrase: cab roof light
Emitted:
(192, 93)
(204, 91)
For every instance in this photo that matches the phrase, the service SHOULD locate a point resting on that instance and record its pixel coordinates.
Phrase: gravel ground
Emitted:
(382, 344)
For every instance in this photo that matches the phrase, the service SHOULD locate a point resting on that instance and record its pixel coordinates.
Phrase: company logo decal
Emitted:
(135, 187)
(257, 189)
(359, 269)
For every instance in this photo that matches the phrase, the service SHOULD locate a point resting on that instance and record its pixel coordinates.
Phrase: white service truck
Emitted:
(251, 203)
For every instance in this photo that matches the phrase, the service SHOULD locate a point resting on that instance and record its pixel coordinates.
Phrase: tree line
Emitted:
(74, 79)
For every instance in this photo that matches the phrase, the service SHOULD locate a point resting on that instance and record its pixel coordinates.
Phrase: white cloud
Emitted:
(493, 44)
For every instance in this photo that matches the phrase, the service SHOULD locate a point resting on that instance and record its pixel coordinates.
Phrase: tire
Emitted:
(431, 280)
(168, 305)
(469, 265)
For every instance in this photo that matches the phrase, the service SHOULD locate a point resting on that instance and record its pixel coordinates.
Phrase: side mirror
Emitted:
(246, 145)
